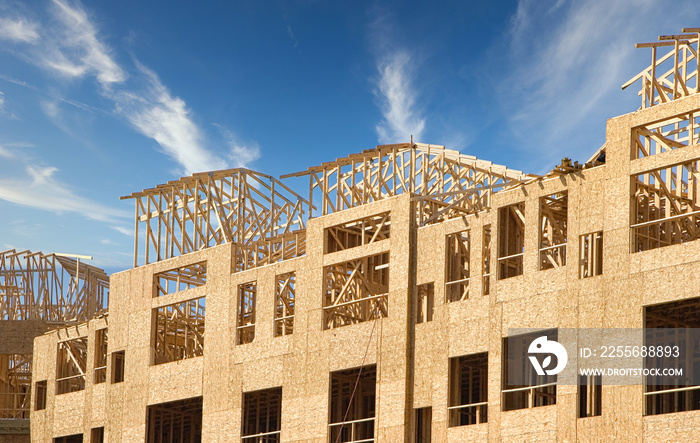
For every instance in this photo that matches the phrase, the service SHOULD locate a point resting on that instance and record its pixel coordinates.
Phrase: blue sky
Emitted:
(101, 99)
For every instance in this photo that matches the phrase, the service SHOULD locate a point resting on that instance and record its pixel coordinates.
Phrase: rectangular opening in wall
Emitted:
(667, 327)
(672, 133)
(358, 232)
(97, 435)
(590, 391)
(457, 267)
(666, 206)
(352, 416)
(70, 365)
(175, 422)
(245, 324)
(426, 302)
(553, 231)
(511, 240)
(285, 291)
(180, 279)
(100, 356)
(118, 359)
(262, 416)
(77, 438)
(486, 260)
(423, 419)
(15, 386)
(591, 251)
(268, 250)
(178, 331)
(356, 291)
(530, 390)
(468, 390)
(40, 393)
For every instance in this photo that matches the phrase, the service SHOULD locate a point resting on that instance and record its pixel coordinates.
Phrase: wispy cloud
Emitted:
(157, 114)
(567, 61)
(18, 30)
(80, 51)
(395, 89)
(241, 153)
(39, 188)
(73, 48)
(397, 100)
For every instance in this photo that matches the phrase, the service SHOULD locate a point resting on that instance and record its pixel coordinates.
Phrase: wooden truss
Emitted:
(15, 386)
(553, 221)
(262, 416)
(356, 291)
(445, 183)
(179, 331)
(673, 75)
(71, 365)
(180, 279)
(672, 133)
(358, 232)
(666, 206)
(457, 267)
(54, 288)
(284, 304)
(236, 206)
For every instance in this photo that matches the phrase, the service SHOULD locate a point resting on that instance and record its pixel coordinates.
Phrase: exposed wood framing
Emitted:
(71, 365)
(35, 286)
(468, 381)
(353, 421)
(356, 291)
(667, 325)
(553, 232)
(486, 260)
(358, 232)
(521, 386)
(511, 240)
(175, 422)
(284, 304)
(180, 279)
(179, 331)
(457, 267)
(245, 323)
(15, 386)
(665, 135)
(266, 251)
(673, 75)
(591, 254)
(426, 302)
(262, 416)
(666, 206)
(235, 206)
(445, 183)
(100, 356)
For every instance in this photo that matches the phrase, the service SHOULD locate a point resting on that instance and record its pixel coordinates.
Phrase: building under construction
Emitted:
(375, 307)
(38, 292)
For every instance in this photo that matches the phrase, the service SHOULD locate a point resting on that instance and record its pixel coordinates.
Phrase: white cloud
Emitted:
(397, 100)
(157, 114)
(2, 100)
(126, 231)
(80, 51)
(19, 30)
(241, 154)
(40, 189)
(566, 63)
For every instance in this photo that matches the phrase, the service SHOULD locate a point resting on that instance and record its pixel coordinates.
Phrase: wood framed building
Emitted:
(375, 308)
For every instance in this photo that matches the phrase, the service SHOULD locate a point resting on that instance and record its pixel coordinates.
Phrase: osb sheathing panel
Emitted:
(18, 335)
(679, 427)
